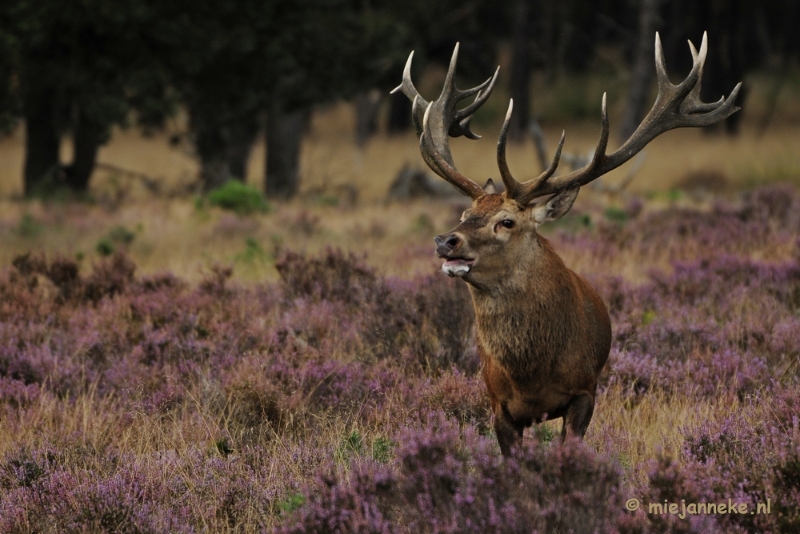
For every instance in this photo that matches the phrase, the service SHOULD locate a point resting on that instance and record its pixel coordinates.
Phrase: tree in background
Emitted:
(320, 50)
(213, 54)
(77, 67)
(237, 63)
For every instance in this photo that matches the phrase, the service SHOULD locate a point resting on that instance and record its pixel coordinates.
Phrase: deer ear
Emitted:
(547, 209)
(489, 188)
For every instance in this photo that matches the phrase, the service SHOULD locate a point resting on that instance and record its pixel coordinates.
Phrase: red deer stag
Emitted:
(543, 333)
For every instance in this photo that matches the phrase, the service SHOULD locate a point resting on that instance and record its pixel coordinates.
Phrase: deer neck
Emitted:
(537, 279)
(531, 304)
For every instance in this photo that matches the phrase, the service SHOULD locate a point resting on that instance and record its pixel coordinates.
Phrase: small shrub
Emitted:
(351, 446)
(215, 282)
(253, 252)
(118, 238)
(239, 197)
(382, 449)
(29, 226)
(223, 447)
(616, 215)
(105, 247)
(291, 503)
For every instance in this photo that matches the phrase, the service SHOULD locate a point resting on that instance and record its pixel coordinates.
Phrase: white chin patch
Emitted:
(456, 267)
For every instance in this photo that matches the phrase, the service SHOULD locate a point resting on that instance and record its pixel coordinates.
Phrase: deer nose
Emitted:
(446, 244)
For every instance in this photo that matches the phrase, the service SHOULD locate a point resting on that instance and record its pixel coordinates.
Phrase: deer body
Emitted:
(543, 333)
(539, 359)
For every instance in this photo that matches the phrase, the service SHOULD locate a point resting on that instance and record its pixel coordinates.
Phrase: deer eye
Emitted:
(505, 223)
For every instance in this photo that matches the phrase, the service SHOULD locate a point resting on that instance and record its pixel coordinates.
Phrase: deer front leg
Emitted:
(509, 433)
(579, 413)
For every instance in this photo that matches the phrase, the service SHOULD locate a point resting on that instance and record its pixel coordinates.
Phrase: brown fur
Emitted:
(543, 333)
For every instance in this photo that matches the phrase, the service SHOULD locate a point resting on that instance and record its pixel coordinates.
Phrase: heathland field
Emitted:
(169, 366)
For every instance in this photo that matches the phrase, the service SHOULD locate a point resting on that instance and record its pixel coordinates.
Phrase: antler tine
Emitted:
(691, 81)
(676, 106)
(689, 89)
(515, 189)
(481, 97)
(441, 120)
(407, 86)
(464, 126)
(440, 165)
(693, 104)
(512, 186)
(534, 184)
(418, 105)
(542, 186)
(661, 66)
(460, 122)
(408, 89)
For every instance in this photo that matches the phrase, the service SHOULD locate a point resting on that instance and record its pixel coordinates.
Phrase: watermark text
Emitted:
(683, 509)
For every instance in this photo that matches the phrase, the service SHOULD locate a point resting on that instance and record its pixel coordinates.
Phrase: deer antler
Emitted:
(676, 106)
(441, 119)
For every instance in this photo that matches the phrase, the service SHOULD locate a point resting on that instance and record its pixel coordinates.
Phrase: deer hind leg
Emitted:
(509, 433)
(579, 413)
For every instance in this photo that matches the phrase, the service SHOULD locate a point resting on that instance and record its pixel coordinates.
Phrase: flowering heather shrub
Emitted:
(671, 482)
(446, 480)
(193, 492)
(125, 335)
(15, 393)
(110, 276)
(633, 371)
(706, 281)
(461, 397)
(341, 398)
(765, 217)
(428, 319)
(334, 276)
(786, 483)
(724, 324)
(776, 203)
(68, 501)
(747, 460)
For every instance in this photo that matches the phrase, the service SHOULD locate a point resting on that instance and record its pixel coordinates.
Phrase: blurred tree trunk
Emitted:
(285, 131)
(521, 67)
(42, 139)
(367, 106)
(223, 147)
(87, 140)
(399, 113)
(643, 69)
(726, 23)
(208, 140)
(240, 139)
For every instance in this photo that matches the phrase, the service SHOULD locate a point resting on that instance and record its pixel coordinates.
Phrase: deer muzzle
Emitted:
(448, 247)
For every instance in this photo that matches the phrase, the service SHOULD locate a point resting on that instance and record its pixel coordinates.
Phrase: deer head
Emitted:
(496, 231)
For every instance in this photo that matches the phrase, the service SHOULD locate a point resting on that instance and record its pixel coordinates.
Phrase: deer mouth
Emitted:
(454, 266)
